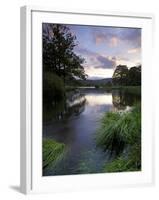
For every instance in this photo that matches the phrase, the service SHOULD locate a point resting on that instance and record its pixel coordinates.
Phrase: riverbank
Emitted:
(52, 152)
(120, 133)
(128, 89)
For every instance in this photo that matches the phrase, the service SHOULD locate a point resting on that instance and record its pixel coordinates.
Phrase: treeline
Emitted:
(61, 66)
(127, 77)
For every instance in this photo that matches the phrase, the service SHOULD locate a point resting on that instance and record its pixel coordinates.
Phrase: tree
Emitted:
(120, 76)
(135, 75)
(124, 76)
(58, 55)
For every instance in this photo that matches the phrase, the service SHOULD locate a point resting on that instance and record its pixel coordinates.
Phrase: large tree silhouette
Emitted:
(58, 54)
(135, 75)
(120, 76)
(124, 76)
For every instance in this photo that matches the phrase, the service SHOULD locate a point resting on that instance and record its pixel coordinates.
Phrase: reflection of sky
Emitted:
(106, 47)
(101, 99)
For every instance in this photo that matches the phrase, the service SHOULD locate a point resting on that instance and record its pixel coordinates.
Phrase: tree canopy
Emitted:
(58, 54)
(135, 75)
(120, 76)
(124, 76)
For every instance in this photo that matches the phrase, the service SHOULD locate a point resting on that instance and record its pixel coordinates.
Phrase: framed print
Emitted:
(86, 107)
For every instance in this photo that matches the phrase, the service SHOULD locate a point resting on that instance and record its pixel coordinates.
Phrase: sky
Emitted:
(103, 48)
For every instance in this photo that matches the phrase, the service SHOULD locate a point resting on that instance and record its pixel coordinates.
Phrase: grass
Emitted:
(129, 89)
(132, 89)
(121, 131)
(124, 163)
(52, 152)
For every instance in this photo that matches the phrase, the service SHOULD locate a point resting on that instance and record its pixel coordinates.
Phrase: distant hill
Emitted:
(95, 82)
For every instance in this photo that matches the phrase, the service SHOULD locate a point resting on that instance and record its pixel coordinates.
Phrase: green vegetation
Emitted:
(52, 152)
(123, 76)
(58, 53)
(124, 163)
(53, 87)
(61, 66)
(127, 89)
(121, 131)
(97, 86)
(63, 73)
(132, 89)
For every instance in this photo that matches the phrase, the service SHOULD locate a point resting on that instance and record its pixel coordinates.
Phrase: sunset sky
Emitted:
(106, 47)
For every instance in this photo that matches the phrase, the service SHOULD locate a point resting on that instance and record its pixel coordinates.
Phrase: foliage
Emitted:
(125, 96)
(52, 152)
(123, 76)
(53, 87)
(120, 76)
(135, 75)
(108, 84)
(118, 131)
(58, 55)
(132, 162)
(97, 86)
(135, 90)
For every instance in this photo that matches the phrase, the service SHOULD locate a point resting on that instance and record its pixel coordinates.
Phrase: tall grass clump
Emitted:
(52, 152)
(126, 162)
(120, 131)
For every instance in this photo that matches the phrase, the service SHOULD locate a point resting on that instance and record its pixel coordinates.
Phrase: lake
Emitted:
(75, 121)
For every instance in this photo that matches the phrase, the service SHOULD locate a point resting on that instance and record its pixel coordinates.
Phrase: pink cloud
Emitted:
(134, 50)
(103, 38)
(114, 41)
(100, 38)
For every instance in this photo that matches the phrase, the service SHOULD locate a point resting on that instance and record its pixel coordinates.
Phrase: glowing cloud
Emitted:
(114, 41)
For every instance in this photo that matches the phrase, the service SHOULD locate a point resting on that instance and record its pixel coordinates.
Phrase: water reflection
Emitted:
(123, 100)
(99, 99)
(73, 105)
(75, 120)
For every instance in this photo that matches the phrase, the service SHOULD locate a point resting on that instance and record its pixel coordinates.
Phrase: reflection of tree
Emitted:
(72, 106)
(122, 98)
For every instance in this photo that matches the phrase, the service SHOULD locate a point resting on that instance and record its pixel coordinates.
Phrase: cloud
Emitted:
(98, 73)
(114, 41)
(107, 38)
(105, 62)
(132, 35)
(96, 60)
(133, 50)
(114, 36)
(100, 37)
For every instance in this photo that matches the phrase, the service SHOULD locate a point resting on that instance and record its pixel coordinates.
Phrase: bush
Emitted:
(53, 87)
(52, 152)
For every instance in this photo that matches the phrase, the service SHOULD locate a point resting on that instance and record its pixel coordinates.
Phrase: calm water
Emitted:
(75, 122)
